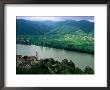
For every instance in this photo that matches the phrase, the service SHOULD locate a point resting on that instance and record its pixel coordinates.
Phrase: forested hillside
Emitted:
(68, 34)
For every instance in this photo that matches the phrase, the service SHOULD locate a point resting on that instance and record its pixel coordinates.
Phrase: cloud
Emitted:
(56, 18)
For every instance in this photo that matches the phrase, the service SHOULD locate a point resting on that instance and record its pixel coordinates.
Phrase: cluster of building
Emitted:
(26, 61)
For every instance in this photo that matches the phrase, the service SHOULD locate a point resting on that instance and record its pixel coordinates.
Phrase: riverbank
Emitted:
(59, 47)
(31, 65)
(82, 46)
(81, 60)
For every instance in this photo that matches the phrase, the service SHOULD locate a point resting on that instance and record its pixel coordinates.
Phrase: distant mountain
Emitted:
(84, 25)
(26, 27)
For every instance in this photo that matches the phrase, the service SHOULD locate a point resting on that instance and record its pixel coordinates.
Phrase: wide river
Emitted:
(81, 60)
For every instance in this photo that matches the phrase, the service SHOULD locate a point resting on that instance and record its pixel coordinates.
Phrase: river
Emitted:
(81, 60)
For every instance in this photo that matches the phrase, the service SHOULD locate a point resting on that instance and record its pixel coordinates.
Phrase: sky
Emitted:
(57, 18)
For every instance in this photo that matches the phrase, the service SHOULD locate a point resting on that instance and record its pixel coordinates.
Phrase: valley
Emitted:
(69, 35)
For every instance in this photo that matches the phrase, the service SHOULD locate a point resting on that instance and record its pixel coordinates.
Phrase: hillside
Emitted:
(69, 34)
(26, 27)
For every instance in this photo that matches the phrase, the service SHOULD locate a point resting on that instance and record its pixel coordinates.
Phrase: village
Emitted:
(33, 65)
(26, 61)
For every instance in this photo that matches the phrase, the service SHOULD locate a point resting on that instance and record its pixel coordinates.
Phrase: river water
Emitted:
(81, 60)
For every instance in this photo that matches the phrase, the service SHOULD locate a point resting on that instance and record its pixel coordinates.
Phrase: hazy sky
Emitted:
(57, 18)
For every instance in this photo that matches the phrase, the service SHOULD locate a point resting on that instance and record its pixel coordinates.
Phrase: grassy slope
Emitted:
(79, 42)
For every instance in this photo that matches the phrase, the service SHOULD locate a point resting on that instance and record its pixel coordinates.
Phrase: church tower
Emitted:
(36, 55)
